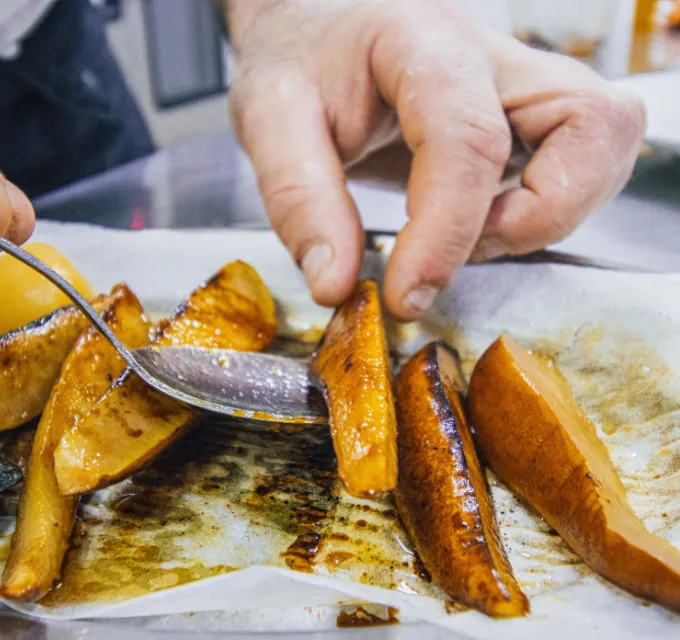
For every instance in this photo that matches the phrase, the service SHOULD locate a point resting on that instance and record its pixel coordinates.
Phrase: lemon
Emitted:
(25, 295)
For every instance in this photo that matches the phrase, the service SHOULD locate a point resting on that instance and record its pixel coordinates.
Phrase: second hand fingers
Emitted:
(587, 146)
(452, 120)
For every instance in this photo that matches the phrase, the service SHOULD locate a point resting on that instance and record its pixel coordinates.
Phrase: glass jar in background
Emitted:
(644, 16)
(577, 28)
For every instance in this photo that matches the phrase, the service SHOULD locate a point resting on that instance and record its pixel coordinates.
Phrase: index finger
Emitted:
(453, 122)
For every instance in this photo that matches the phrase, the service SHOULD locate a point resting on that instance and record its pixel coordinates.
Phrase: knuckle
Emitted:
(551, 226)
(619, 113)
(289, 208)
(487, 138)
(554, 228)
(286, 200)
(451, 251)
(633, 116)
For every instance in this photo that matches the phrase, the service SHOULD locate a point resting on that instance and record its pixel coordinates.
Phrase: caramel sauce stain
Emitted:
(361, 618)
(110, 581)
(630, 387)
(452, 607)
(300, 555)
(336, 558)
(280, 480)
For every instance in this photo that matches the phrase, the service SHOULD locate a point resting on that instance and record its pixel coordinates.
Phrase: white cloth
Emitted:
(17, 18)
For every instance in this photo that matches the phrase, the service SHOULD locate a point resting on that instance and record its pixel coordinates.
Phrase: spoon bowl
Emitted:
(252, 385)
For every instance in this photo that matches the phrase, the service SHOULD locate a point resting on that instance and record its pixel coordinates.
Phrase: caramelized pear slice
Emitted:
(353, 365)
(45, 516)
(133, 423)
(533, 434)
(30, 360)
(442, 497)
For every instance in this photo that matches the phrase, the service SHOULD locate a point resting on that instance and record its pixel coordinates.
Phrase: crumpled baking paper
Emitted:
(238, 505)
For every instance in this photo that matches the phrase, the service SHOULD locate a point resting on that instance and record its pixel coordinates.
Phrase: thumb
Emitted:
(17, 217)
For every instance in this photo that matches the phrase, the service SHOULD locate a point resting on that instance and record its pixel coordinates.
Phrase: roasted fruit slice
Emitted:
(353, 366)
(442, 496)
(27, 295)
(539, 441)
(133, 423)
(45, 516)
(30, 360)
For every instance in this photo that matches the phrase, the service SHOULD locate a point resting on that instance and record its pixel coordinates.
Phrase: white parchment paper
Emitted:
(615, 337)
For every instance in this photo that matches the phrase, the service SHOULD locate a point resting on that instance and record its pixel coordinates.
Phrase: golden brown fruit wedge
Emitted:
(442, 497)
(539, 441)
(46, 517)
(27, 295)
(30, 360)
(353, 365)
(133, 423)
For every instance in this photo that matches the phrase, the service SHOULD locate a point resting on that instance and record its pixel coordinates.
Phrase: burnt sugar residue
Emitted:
(16, 444)
(126, 539)
(361, 617)
(338, 557)
(182, 519)
(231, 492)
(419, 568)
(293, 479)
(301, 555)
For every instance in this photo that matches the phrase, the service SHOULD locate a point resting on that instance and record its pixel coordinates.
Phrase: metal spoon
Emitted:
(262, 386)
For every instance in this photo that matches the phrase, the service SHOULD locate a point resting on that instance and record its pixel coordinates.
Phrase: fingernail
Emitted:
(488, 249)
(315, 261)
(419, 300)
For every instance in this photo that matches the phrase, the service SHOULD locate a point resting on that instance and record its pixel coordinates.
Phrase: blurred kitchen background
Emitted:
(175, 57)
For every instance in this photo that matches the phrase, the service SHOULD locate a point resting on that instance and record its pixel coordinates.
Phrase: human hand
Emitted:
(17, 217)
(316, 81)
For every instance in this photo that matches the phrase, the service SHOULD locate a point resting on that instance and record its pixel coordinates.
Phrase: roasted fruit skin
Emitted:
(30, 360)
(46, 517)
(533, 434)
(133, 423)
(352, 365)
(26, 295)
(442, 496)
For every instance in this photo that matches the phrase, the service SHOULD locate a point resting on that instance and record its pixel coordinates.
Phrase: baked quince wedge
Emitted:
(352, 364)
(31, 358)
(442, 496)
(46, 517)
(534, 435)
(133, 423)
